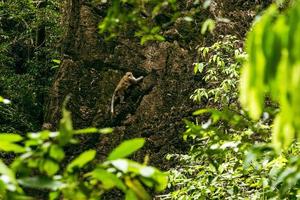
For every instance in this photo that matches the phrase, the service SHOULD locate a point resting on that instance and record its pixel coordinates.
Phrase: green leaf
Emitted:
(41, 182)
(56, 152)
(108, 179)
(54, 195)
(154, 30)
(5, 101)
(121, 164)
(6, 146)
(130, 195)
(81, 160)
(137, 188)
(209, 24)
(65, 125)
(9, 137)
(202, 111)
(56, 61)
(198, 67)
(188, 19)
(126, 148)
(54, 67)
(106, 130)
(161, 180)
(159, 37)
(94, 130)
(146, 38)
(86, 131)
(127, 166)
(4, 170)
(20, 197)
(50, 167)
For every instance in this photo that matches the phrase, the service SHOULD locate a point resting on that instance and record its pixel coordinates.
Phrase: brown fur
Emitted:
(127, 80)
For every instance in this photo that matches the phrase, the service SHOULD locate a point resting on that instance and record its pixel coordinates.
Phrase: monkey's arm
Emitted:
(135, 80)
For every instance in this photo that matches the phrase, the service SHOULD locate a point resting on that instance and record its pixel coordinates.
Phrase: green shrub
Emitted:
(40, 164)
(230, 157)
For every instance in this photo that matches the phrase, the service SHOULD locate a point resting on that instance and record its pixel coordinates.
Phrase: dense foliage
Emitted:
(273, 67)
(214, 167)
(29, 32)
(223, 162)
(238, 151)
(147, 17)
(38, 166)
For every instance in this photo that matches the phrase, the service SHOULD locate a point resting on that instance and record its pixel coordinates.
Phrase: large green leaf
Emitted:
(5, 101)
(41, 182)
(150, 173)
(81, 160)
(56, 152)
(9, 137)
(7, 146)
(109, 180)
(8, 178)
(273, 68)
(50, 167)
(126, 148)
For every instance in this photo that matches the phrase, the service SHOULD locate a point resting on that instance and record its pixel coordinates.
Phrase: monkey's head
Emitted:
(129, 75)
(47, 126)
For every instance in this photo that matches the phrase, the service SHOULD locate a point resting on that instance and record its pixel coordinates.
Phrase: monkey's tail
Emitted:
(112, 104)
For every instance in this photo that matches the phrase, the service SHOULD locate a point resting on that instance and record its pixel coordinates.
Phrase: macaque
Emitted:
(47, 126)
(127, 80)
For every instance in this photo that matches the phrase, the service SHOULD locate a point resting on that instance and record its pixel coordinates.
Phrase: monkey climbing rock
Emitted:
(126, 81)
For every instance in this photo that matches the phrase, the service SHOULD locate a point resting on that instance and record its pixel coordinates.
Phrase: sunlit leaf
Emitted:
(94, 130)
(56, 152)
(130, 195)
(56, 61)
(106, 130)
(86, 131)
(188, 19)
(9, 137)
(7, 146)
(41, 182)
(209, 25)
(81, 160)
(65, 125)
(108, 179)
(5, 101)
(8, 178)
(127, 166)
(137, 188)
(126, 148)
(50, 167)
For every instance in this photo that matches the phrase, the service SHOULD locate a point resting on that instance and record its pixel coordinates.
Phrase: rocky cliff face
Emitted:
(91, 68)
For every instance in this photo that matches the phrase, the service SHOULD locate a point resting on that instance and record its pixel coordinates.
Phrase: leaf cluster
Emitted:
(273, 68)
(230, 157)
(219, 70)
(40, 164)
(147, 18)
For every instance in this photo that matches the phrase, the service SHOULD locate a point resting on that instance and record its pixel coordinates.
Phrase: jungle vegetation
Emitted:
(216, 115)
